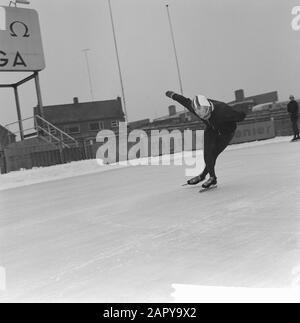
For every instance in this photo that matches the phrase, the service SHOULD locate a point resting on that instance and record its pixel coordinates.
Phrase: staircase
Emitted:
(44, 130)
(53, 135)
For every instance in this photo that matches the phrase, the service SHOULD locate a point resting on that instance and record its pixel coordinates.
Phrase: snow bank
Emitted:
(45, 174)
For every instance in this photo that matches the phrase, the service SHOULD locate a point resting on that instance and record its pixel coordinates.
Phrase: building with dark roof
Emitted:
(174, 117)
(84, 120)
(251, 101)
(241, 102)
(139, 124)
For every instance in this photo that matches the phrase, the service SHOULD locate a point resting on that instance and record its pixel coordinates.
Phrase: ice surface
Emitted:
(131, 233)
(208, 294)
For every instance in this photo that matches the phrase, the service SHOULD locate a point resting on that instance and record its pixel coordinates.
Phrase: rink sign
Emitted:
(20, 40)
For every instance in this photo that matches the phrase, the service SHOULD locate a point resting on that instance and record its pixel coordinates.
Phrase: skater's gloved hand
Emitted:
(170, 94)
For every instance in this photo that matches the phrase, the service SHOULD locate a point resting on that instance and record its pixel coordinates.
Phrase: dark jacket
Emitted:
(293, 109)
(223, 119)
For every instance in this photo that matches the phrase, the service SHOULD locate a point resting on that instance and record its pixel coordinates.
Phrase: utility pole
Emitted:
(175, 49)
(85, 51)
(118, 59)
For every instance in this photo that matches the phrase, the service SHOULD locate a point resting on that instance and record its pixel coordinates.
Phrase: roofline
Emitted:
(177, 115)
(252, 97)
(88, 120)
(240, 102)
(79, 103)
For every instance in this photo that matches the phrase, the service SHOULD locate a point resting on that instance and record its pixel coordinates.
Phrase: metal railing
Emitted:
(14, 133)
(43, 129)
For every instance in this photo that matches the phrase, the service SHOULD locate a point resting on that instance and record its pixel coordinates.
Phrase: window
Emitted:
(115, 123)
(91, 142)
(96, 126)
(74, 129)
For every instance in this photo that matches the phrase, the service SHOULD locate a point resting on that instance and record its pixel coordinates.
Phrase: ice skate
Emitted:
(210, 183)
(195, 180)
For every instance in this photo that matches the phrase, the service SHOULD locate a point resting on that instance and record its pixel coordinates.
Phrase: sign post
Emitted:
(19, 112)
(21, 50)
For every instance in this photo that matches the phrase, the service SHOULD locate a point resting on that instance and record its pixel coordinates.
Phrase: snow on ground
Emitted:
(134, 234)
(44, 174)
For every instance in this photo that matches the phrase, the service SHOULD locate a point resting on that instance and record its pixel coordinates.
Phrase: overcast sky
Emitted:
(223, 45)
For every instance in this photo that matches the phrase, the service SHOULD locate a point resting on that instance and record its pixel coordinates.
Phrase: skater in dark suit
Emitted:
(221, 123)
(293, 110)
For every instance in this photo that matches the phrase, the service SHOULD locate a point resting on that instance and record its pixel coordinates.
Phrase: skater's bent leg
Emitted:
(210, 138)
(222, 142)
(204, 172)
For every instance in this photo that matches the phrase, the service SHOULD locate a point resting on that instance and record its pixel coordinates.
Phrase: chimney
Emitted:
(239, 95)
(172, 110)
(75, 100)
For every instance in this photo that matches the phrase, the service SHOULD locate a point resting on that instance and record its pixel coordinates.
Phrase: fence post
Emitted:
(61, 152)
(3, 163)
(273, 124)
(85, 150)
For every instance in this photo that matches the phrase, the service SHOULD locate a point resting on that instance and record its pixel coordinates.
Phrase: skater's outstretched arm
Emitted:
(222, 112)
(186, 102)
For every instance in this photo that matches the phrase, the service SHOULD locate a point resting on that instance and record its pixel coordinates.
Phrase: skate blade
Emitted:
(208, 189)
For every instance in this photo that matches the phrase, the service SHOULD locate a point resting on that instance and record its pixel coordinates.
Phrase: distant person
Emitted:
(221, 123)
(293, 110)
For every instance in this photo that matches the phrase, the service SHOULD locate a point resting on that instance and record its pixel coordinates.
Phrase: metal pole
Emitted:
(175, 50)
(19, 113)
(118, 59)
(25, 80)
(39, 94)
(85, 51)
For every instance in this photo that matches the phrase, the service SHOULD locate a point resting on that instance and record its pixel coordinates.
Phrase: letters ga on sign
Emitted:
(21, 46)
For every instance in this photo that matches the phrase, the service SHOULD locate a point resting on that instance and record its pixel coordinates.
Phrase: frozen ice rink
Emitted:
(129, 234)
